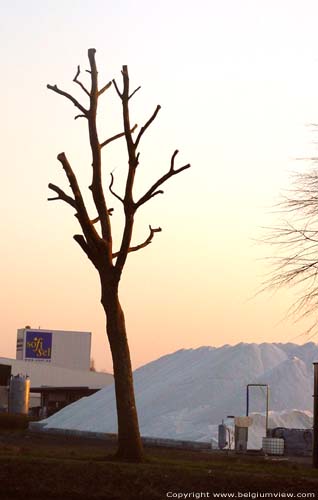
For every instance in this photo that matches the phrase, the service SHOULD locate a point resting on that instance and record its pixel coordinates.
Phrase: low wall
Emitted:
(147, 441)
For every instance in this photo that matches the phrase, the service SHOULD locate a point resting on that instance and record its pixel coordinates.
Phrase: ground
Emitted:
(39, 466)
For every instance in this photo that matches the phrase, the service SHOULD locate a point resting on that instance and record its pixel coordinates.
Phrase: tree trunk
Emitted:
(129, 441)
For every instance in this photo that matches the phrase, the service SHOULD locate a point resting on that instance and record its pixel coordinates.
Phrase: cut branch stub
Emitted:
(90, 232)
(117, 136)
(144, 244)
(117, 89)
(97, 219)
(103, 89)
(61, 196)
(79, 238)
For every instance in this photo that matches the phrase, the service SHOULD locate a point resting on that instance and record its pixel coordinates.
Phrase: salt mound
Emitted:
(185, 395)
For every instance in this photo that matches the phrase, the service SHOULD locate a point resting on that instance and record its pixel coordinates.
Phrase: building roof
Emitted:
(44, 373)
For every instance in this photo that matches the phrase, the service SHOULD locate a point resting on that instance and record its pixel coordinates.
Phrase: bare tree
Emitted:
(296, 239)
(96, 237)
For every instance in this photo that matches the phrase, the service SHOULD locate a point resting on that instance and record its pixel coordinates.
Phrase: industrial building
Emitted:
(57, 362)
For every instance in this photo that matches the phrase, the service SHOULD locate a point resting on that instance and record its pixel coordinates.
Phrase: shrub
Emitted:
(11, 421)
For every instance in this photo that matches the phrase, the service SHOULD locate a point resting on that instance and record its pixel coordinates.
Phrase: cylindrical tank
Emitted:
(19, 394)
(222, 435)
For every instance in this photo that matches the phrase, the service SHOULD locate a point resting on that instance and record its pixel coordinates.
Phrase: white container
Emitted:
(222, 436)
(273, 446)
(19, 395)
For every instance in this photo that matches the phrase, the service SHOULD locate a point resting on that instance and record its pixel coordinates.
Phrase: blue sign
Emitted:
(38, 345)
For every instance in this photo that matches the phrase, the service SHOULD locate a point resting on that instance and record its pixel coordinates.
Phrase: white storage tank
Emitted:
(222, 436)
(19, 395)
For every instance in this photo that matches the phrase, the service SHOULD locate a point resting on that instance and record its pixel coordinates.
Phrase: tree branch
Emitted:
(68, 96)
(97, 219)
(134, 92)
(62, 196)
(144, 244)
(79, 238)
(85, 222)
(113, 192)
(128, 201)
(149, 122)
(296, 238)
(117, 89)
(96, 186)
(75, 79)
(117, 136)
(153, 190)
(103, 89)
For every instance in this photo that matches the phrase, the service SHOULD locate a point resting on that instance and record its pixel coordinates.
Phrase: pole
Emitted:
(315, 422)
(267, 404)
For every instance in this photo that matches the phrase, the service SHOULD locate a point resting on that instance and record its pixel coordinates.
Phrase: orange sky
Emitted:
(237, 82)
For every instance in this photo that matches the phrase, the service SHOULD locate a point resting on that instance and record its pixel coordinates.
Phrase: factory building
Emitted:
(55, 347)
(58, 365)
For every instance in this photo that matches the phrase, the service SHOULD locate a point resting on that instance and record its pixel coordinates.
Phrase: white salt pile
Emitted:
(185, 395)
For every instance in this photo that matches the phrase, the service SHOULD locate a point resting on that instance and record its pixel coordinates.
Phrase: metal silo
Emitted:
(222, 436)
(19, 394)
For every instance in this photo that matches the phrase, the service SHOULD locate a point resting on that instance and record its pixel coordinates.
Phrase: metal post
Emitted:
(315, 423)
(267, 404)
(247, 407)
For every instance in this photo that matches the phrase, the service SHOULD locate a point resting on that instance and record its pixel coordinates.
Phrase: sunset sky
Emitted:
(238, 84)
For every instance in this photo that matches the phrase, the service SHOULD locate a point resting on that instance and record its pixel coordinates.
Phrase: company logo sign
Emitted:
(38, 345)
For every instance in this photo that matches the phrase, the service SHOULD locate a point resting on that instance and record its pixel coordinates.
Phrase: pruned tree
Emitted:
(96, 237)
(295, 262)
